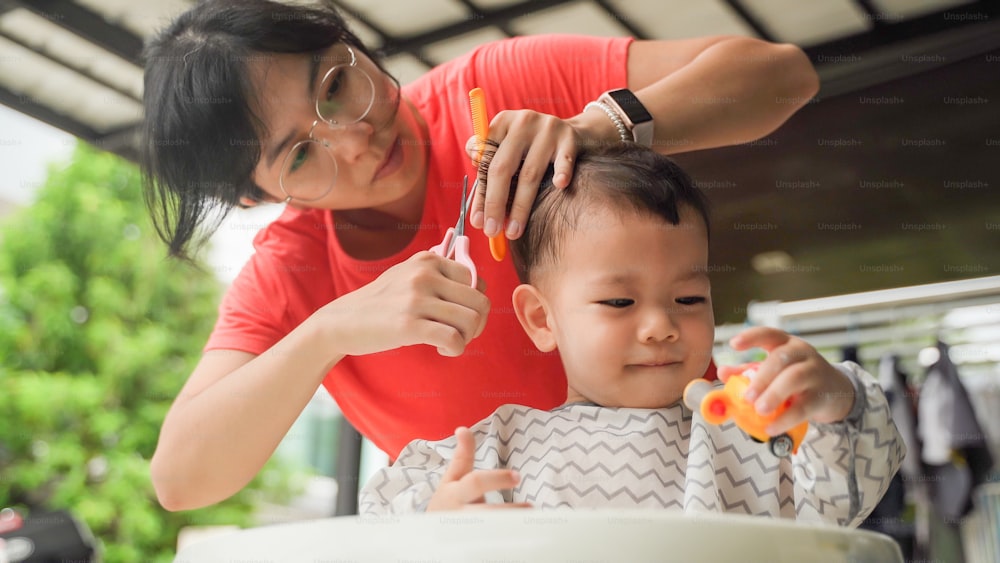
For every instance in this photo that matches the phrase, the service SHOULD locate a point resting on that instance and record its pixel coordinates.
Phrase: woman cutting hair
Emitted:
(283, 104)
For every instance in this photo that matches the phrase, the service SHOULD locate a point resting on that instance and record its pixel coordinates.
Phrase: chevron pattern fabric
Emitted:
(587, 456)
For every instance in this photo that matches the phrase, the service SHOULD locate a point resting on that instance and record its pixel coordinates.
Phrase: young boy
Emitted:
(615, 270)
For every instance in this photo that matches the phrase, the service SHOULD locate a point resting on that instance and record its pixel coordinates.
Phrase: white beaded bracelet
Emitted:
(623, 131)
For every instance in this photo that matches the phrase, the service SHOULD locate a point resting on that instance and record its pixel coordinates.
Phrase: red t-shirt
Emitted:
(299, 266)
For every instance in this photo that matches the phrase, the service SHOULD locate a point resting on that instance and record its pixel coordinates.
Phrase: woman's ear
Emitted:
(531, 310)
(248, 202)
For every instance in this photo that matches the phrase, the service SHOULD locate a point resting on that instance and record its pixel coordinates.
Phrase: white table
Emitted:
(549, 537)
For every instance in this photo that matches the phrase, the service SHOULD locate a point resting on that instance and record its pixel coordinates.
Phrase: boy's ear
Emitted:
(529, 306)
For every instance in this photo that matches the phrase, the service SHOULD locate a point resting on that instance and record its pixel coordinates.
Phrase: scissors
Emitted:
(455, 245)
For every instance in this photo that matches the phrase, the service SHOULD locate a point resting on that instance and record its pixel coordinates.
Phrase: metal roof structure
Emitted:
(75, 64)
(93, 47)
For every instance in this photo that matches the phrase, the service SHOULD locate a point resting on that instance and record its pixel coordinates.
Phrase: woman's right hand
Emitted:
(425, 299)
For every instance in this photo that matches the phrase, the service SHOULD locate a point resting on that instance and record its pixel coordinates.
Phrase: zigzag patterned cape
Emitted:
(586, 456)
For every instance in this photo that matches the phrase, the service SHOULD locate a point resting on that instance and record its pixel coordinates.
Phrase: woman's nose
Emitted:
(347, 142)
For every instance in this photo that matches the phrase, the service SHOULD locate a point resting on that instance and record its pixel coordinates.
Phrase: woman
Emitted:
(250, 101)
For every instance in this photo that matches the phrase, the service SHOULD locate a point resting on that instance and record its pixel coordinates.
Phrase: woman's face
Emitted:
(378, 160)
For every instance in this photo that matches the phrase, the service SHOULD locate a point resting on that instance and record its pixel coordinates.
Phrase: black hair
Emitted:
(201, 135)
(621, 176)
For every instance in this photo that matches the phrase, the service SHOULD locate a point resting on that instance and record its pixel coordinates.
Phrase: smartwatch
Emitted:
(632, 112)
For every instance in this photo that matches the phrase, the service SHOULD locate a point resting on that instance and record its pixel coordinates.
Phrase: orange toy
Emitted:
(719, 404)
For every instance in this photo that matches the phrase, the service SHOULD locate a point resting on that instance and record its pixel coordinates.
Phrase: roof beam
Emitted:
(75, 68)
(29, 106)
(885, 64)
(500, 17)
(85, 23)
(386, 37)
(873, 13)
(920, 28)
(751, 20)
(123, 142)
(624, 22)
(478, 14)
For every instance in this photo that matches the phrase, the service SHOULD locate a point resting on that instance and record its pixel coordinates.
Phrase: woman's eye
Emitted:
(618, 303)
(690, 300)
(336, 82)
(301, 154)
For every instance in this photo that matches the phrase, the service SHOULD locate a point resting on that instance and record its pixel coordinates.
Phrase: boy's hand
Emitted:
(463, 487)
(793, 370)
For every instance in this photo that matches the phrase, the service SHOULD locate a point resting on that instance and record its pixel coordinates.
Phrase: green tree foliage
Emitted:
(98, 332)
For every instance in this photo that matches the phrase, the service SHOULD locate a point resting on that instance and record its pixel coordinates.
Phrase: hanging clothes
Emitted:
(903, 405)
(955, 449)
(849, 353)
(888, 516)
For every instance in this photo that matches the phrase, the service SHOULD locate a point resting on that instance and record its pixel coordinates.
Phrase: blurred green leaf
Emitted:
(98, 332)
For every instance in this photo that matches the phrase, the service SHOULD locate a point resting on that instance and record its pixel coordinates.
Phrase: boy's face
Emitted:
(628, 306)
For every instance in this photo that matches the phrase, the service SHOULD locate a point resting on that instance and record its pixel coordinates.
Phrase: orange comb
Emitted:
(481, 128)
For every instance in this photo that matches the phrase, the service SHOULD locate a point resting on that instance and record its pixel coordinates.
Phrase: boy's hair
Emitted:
(622, 177)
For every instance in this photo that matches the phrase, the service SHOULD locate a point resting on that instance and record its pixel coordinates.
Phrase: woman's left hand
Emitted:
(528, 142)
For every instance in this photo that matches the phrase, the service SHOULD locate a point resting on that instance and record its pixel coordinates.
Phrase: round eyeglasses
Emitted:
(345, 96)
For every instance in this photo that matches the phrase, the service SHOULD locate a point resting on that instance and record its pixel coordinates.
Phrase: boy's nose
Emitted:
(658, 325)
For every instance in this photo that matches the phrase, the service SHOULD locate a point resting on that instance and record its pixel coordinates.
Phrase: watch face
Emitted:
(631, 105)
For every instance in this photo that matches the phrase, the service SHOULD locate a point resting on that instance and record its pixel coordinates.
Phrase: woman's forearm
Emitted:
(233, 413)
(732, 91)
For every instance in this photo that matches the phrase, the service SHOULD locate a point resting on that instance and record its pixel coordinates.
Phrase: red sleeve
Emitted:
(283, 283)
(554, 74)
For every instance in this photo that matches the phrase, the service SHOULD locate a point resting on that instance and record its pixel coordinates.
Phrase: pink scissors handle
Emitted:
(462, 256)
(459, 251)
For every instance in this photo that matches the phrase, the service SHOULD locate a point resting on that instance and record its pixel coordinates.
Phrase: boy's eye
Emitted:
(618, 303)
(690, 300)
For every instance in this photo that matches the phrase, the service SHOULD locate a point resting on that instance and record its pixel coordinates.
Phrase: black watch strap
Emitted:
(636, 117)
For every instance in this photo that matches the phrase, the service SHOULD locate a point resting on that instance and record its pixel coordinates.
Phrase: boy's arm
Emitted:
(842, 469)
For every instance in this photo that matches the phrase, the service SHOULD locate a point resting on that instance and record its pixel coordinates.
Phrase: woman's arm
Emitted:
(711, 92)
(236, 407)
(719, 91)
(702, 93)
(231, 414)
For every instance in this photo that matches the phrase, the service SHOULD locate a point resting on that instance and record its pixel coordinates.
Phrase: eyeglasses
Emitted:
(345, 96)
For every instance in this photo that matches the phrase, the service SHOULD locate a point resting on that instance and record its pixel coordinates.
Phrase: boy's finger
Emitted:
(462, 462)
(777, 360)
(789, 383)
(477, 483)
(759, 337)
(789, 419)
